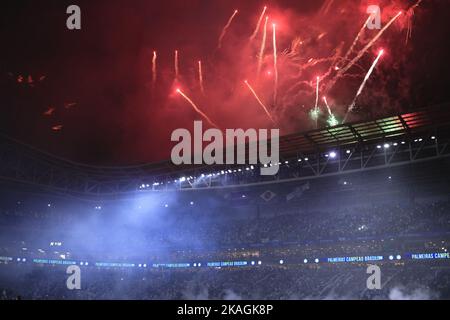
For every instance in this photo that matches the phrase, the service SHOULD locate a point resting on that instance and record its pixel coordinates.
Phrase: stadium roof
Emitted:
(376, 130)
(23, 164)
(408, 124)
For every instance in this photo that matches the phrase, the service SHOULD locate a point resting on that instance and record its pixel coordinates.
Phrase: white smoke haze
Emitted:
(399, 293)
(231, 295)
(201, 294)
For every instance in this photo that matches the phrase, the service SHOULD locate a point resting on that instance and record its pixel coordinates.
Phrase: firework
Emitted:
(410, 14)
(263, 46)
(197, 109)
(224, 30)
(49, 111)
(364, 83)
(258, 24)
(259, 101)
(326, 6)
(314, 114)
(176, 65)
(275, 64)
(316, 106)
(342, 71)
(68, 105)
(154, 69)
(200, 76)
(326, 104)
(317, 92)
(57, 127)
(358, 36)
(332, 121)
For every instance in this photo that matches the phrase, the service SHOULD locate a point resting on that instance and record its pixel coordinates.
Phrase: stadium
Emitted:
(94, 205)
(345, 197)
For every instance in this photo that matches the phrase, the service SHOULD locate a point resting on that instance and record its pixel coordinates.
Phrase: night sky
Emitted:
(90, 97)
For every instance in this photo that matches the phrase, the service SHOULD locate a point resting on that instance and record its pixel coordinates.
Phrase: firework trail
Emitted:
(326, 6)
(410, 14)
(197, 109)
(332, 121)
(259, 101)
(176, 65)
(224, 30)
(317, 92)
(363, 84)
(275, 64)
(317, 100)
(328, 107)
(253, 36)
(358, 36)
(200, 77)
(362, 52)
(263, 47)
(154, 70)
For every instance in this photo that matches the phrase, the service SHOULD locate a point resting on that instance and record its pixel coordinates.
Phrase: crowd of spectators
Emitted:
(425, 281)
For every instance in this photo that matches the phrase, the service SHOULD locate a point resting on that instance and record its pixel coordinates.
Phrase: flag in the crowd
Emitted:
(268, 195)
(297, 192)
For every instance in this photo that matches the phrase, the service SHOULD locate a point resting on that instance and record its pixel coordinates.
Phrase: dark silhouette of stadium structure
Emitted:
(388, 142)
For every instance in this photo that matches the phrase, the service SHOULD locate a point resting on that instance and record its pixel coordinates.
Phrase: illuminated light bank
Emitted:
(355, 259)
(429, 256)
(227, 264)
(54, 262)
